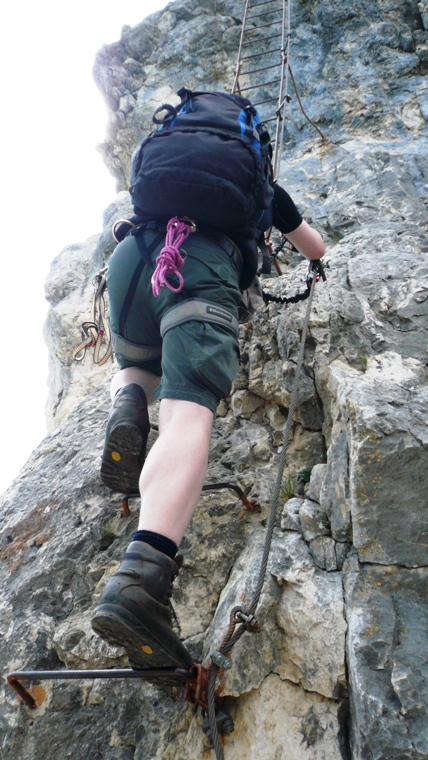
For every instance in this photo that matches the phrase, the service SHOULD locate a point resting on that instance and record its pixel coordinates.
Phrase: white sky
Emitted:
(54, 185)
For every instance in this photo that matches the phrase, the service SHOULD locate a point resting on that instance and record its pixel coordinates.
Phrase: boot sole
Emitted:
(143, 649)
(120, 468)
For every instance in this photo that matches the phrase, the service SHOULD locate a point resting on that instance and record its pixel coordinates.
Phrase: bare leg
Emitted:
(147, 380)
(174, 471)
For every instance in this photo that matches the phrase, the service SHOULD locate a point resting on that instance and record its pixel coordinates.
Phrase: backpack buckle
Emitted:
(190, 222)
(264, 136)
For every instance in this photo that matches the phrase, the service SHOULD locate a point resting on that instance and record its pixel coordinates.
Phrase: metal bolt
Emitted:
(221, 660)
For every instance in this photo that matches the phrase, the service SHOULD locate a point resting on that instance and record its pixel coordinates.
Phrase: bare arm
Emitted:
(307, 241)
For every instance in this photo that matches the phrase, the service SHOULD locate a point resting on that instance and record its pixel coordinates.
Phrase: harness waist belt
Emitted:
(134, 351)
(222, 240)
(197, 308)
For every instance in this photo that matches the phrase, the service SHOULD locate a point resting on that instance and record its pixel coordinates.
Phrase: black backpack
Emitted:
(209, 160)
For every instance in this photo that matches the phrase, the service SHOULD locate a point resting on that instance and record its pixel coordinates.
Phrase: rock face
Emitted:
(339, 668)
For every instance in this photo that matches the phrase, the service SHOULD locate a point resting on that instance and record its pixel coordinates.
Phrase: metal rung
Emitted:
(257, 15)
(252, 506)
(264, 26)
(263, 102)
(257, 86)
(264, 68)
(271, 37)
(257, 55)
(173, 674)
(259, 5)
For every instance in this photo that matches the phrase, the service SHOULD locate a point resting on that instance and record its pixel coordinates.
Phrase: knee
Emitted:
(188, 415)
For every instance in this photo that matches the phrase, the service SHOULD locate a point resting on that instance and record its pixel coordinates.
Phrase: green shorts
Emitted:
(196, 359)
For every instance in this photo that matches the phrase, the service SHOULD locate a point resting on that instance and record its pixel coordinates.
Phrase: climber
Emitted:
(174, 294)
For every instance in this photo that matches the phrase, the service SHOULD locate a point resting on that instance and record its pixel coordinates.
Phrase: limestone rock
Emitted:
(316, 482)
(387, 655)
(301, 616)
(314, 520)
(69, 290)
(334, 496)
(300, 725)
(387, 433)
(290, 519)
(327, 553)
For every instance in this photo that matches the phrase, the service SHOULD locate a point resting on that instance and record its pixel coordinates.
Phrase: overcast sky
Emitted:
(54, 185)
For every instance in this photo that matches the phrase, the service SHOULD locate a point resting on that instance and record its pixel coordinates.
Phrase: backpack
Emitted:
(209, 160)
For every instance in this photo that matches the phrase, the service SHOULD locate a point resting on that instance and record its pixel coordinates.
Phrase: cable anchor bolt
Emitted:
(223, 719)
(220, 659)
(249, 622)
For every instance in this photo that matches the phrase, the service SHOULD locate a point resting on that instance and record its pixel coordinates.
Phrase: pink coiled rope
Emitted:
(170, 259)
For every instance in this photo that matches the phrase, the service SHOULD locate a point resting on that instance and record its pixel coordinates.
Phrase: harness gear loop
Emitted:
(170, 259)
(117, 224)
(97, 327)
(198, 308)
(237, 613)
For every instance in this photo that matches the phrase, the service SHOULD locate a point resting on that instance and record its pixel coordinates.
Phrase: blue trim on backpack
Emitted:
(167, 126)
(259, 220)
(187, 107)
(255, 142)
(242, 119)
(247, 130)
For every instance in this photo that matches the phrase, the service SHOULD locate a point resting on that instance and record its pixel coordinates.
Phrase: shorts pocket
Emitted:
(218, 359)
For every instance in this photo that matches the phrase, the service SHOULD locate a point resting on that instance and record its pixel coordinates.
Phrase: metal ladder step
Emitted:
(251, 64)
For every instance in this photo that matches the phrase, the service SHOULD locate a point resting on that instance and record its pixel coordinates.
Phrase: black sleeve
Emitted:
(286, 217)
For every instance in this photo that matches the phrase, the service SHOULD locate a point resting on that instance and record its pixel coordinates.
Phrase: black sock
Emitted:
(157, 541)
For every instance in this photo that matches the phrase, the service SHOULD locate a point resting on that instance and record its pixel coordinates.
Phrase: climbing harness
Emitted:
(199, 309)
(97, 328)
(245, 617)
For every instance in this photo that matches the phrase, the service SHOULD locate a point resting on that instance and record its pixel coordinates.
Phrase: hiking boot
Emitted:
(135, 611)
(124, 452)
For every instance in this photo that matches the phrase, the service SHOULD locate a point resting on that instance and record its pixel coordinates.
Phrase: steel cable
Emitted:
(225, 648)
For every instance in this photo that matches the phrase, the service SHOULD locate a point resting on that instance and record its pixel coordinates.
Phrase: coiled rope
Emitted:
(170, 259)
